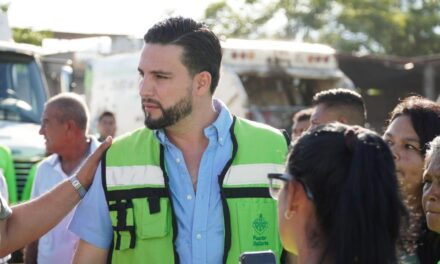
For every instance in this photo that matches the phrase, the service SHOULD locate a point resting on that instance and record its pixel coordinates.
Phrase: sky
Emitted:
(129, 17)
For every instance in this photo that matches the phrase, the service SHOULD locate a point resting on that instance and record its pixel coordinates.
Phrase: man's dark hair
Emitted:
(349, 102)
(302, 115)
(201, 47)
(105, 114)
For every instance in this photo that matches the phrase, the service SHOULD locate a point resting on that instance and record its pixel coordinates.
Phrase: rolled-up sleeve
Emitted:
(91, 221)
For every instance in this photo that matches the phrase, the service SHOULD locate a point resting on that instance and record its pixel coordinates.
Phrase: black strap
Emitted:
(226, 214)
(121, 208)
(255, 192)
(132, 232)
(137, 193)
(154, 204)
(286, 136)
(121, 226)
(118, 241)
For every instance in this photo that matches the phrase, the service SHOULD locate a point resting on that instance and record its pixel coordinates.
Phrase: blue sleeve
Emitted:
(91, 221)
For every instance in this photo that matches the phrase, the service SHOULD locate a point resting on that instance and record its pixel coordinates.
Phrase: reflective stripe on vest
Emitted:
(134, 175)
(250, 174)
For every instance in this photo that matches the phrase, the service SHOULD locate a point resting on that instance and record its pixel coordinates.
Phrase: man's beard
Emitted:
(171, 115)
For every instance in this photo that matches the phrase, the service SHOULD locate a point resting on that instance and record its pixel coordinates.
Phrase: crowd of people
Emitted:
(200, 185)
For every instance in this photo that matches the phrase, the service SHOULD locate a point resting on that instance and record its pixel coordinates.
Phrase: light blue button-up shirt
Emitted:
(200, 237)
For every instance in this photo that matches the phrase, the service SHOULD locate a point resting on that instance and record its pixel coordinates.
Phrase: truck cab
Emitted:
(281, 77)
(23, 92)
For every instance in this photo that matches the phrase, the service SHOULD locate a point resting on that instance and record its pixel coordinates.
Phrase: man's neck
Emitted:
(74, 155)
(190, 130)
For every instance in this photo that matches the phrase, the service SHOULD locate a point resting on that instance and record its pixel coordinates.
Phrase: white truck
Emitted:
(263, 80)
(281, 77)
(23, 92)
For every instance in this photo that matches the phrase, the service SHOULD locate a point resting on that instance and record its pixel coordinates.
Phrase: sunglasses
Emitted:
(277, 181)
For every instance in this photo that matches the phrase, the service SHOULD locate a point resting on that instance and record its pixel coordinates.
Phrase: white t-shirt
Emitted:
(59, 244)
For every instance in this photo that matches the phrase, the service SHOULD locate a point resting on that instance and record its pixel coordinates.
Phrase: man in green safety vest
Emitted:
(7, 167)
(191, 186)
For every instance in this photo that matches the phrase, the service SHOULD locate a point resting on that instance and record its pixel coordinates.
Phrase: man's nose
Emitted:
(146, 87)
(395, 152)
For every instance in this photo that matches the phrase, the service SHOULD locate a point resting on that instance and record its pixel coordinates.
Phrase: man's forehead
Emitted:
(160, 57)
(152, 49)
(322, 110)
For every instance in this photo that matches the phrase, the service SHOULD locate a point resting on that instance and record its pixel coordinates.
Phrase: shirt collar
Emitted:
(53, 159)
(220, 126)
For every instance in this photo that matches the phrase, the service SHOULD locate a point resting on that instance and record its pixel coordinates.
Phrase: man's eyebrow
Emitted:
(156, 72)
(410, 139)
(161, 72)
(407, 139)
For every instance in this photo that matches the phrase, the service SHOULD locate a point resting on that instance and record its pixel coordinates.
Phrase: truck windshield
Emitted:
(22, 93)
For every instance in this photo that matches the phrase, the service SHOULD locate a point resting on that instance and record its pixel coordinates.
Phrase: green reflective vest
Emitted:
(27, 190)
(138, 195)
(7, 166)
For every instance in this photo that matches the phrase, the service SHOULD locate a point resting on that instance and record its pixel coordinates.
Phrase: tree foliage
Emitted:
(395, 27)
(26, 35)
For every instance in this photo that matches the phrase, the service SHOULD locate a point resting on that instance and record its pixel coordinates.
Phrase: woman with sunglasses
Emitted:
(413, 124)
(338, 201)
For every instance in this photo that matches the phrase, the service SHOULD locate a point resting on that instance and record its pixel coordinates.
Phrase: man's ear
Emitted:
(343, 120)
(202, 82)
(70, 126)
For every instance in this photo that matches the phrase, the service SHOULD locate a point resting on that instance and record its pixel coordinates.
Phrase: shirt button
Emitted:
(189, 197)
(199, 236)
(178, 160)
(220, 139)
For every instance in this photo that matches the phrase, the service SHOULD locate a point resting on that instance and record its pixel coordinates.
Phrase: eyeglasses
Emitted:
(277, 181)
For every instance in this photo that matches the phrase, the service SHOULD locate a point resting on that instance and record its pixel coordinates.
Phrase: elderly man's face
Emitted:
(431, 192)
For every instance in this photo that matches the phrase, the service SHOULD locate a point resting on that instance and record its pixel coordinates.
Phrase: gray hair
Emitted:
(71, 106)
(433, 147)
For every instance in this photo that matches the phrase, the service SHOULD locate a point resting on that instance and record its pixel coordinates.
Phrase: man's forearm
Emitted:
(32, 219)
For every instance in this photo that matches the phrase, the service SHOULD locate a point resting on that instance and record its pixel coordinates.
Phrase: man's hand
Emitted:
(87, 171)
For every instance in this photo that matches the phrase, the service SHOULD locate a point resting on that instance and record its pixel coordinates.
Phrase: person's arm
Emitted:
(32, 219)
(89, 254)
(31, 253)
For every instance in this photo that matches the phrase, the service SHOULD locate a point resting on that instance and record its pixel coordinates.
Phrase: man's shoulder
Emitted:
(256, 126)
(48, 162)
(139, 134)
(137, 142)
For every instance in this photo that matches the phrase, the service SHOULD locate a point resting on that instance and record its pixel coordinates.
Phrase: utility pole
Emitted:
(429, 81)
